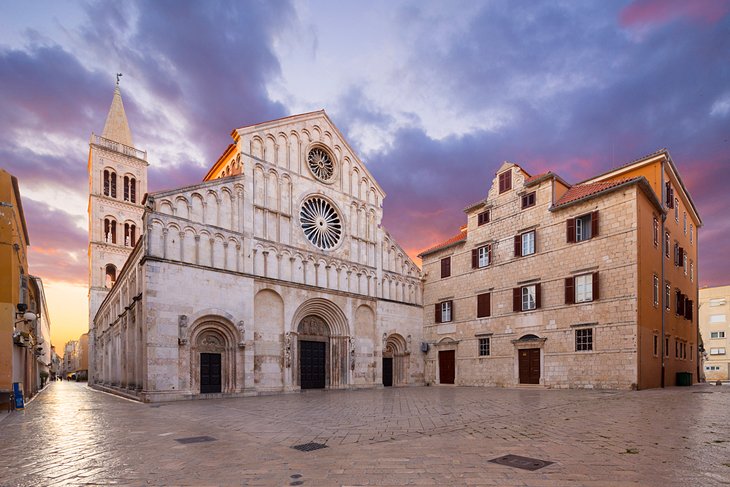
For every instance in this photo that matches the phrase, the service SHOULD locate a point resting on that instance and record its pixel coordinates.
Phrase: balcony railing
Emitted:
(117, 147)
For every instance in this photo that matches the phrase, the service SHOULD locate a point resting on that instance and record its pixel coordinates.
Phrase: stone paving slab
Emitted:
(73, 435)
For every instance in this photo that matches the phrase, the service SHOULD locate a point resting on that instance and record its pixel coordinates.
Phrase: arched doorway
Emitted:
(320, 345)
(314, 336)
(395, 361)
(212, 358)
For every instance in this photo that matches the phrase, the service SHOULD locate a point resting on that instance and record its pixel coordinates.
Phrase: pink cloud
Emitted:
(643, 13)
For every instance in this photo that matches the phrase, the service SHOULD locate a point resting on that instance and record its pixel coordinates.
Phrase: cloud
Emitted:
(643, 13)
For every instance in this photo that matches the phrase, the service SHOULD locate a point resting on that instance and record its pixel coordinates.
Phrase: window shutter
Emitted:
(570, 237)
(676, 254)
(437, 317)
(446, 267)
(489, 252)
(569, 290)
(596, 287)
(517, 299)
(483, 305)
(689, 310)
(474, 258)
(488, 304)
(518, 245)
(594, 224)
(453, 310)
(538, 299)
(680, 256)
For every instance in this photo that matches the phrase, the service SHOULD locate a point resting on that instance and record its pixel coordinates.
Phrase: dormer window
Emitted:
(483, 218)
(505, 181)
(528, 200)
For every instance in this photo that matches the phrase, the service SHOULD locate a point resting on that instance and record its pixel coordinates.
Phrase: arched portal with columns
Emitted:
(216, 365)
(321, 347)
(395, 360)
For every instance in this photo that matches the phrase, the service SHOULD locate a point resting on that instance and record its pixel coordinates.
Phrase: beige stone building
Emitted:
(715, 330)
(585, 285)
(274, 274)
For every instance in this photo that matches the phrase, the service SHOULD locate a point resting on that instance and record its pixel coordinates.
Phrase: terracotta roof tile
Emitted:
(536, 176)
(580, 191)
(446, 243)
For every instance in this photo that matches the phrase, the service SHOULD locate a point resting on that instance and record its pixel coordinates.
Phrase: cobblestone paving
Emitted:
(72, 435)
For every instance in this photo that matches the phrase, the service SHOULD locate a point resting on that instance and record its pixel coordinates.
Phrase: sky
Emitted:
(432, 95)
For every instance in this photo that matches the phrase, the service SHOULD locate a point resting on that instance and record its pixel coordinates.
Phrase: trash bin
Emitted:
(684, 378)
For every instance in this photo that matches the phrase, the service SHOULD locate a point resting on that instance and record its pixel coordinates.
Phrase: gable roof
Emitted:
(454, 240)
(584, 191)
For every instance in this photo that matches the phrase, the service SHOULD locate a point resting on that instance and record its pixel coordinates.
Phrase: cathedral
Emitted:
(273, 274)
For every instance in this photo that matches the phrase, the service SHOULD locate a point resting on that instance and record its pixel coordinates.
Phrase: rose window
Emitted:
(321, 223)
(320, 163)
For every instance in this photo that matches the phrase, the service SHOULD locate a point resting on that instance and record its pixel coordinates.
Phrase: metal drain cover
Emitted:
(309, 446)
(524, 463)
(195, 439)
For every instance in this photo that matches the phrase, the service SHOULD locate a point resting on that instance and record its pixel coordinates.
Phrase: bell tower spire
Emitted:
(116, 127)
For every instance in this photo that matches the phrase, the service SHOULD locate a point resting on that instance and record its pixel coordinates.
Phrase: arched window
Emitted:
(111, 275)
(126, 188)
(113, 184)
(132, 190)
(106, 183)
(129, 234)
(110, 230)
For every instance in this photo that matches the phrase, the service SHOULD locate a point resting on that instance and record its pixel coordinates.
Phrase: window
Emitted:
(684, 262)
(656, 232)
(582, 288)
(481, 257)
(684, 224)
(676, 210)
(129, 234)
(666, 346)
(667, 296)
(528, 200)
(691, 272)
(666, 244)
(483, 218)
(110, 183)
(656, 345)
(691, 347)
(444, 311)
(525, 244)
(110, 231)
(584, 339)
(677, 254)
(717, 334)
(445, 267)
(717, 351)
(484, 305)
(126, 188)
(111, 275)
(718, 318)
(679, 305)
(717, 302)
(484, 347)
(130, 190)
(669, 195)
(691, 233)
(676, 348)
(505, 181)
(582, 228)
(712, 367)
(526, 298)
(688, 308)
(107, 183)
(656, 290)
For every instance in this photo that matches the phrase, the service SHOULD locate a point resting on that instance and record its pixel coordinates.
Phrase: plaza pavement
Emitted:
(73, 435)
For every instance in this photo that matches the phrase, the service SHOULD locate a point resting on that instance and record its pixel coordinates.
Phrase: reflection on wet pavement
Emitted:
(72, 435)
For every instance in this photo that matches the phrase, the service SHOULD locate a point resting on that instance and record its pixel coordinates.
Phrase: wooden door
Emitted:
(387, 371)
(312, 363)
(447, 366)
(210, 373)
(529, 359)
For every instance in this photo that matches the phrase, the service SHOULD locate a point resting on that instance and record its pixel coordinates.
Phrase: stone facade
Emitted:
(714, 311)
(580, 284)
(226, 272)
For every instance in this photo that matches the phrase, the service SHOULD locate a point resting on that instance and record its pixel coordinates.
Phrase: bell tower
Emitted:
(117, 184)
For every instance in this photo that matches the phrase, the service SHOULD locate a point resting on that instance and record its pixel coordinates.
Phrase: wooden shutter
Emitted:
(437, 317)
(489, 253)
(570, 233)
(474, 258)
(594, 224)
(670, 195)
(446, 267)
(453, 310)
(688, 309)
(569, 290)
(518, 245)
(483, 305)
(681, 257)
(517, 299)
(538, 299)
(596, 287)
